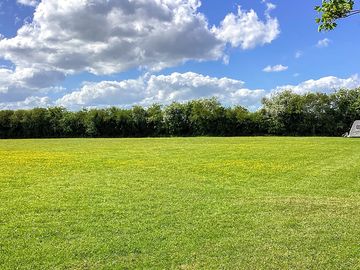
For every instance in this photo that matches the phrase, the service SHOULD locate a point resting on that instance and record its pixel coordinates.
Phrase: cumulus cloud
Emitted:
(105, 93)
(324, 85)
(65, 38)
(32, 3)
(323, 43)
(165, 89)
(246, 30)
(162, 89)
(18, 84)
(106, 37)
(110, 36)
(276, 68)
(28, 103)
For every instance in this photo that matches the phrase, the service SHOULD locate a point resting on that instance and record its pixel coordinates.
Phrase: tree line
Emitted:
(285, 113)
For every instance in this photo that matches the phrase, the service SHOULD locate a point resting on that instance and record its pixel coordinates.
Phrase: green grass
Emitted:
(182, 203)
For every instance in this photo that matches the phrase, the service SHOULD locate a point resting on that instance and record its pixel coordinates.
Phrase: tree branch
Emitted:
(353, 12)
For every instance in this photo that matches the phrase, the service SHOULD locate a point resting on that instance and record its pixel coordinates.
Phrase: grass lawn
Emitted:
(180, 203)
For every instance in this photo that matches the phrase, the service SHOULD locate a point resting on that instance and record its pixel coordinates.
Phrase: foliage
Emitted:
(284, 113)
(333, 10)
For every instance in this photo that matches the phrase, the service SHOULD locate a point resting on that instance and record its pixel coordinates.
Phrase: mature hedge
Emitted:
(285, 113)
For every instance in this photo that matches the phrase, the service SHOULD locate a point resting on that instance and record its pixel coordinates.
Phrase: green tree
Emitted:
(5, 123)
(155, 120)
(333, 10)
(206, 117)
(235, 122)
(54, 117)
(177, 119)
(139, 124)
(346, 107)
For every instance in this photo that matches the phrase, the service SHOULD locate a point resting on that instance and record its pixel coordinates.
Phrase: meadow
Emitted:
(180, 203)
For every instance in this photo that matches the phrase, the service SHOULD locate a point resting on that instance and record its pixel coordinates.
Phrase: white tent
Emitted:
(355, 130)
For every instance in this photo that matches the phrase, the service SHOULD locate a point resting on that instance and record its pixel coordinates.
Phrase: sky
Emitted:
(100, 53)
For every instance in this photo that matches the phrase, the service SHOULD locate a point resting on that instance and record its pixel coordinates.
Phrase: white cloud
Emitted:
(18, 84)
(106, 37)
(32, 3)
(323, 43)
(122, 93)
(110, 36)
(325, 85)
(269, 7)
(246, 30)
(162, 89)
(276, 68)
(28, 103)
(298, 54)
(12, 88)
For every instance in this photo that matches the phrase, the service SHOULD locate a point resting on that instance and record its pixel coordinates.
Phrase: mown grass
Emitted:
(180, 203)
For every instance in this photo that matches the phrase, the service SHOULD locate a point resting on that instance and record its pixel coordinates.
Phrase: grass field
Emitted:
(182, 203)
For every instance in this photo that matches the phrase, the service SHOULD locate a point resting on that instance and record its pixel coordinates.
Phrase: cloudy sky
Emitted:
(98, 53)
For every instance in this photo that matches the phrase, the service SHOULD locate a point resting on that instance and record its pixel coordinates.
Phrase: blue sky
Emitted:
(61, 57)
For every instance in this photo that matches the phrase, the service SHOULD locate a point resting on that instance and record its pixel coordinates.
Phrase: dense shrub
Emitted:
(284, 113)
